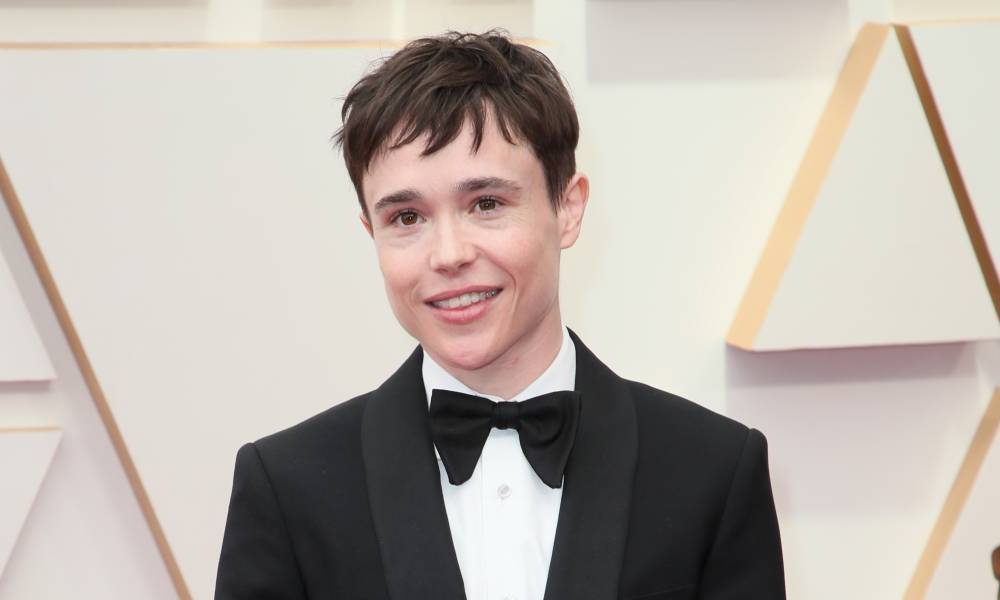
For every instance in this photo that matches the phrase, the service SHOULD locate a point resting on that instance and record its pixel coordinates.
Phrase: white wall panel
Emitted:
(936, 10)
(22, 355)
(224, 219)
(253, 20)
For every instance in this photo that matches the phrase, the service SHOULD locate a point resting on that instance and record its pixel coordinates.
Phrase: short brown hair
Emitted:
(434, 84)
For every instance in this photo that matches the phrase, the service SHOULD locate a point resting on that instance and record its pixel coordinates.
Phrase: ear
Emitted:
(571, 209)
(366, 224)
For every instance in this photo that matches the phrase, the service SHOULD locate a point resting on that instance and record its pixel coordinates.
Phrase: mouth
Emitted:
(464, 300)
(464, 307)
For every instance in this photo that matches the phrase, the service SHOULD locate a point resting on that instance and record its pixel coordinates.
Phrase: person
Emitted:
(503, 459)
(995, 559)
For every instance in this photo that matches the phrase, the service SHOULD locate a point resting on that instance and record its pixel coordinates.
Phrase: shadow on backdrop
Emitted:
(884, 420)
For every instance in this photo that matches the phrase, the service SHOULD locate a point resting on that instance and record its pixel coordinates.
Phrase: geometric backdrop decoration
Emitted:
(871, 246)
(25, 456)
(9, 196)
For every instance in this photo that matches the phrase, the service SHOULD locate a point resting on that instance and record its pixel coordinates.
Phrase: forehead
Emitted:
(406, 168)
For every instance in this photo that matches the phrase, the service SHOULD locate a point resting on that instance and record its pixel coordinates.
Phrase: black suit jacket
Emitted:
(662, 499)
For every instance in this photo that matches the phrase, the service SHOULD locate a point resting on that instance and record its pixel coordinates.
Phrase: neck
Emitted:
(519, 365)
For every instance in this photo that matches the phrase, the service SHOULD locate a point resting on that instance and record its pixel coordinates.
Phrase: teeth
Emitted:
(465, 299)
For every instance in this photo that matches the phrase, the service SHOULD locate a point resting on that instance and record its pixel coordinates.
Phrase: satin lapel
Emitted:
(589, 546)
(404, 490)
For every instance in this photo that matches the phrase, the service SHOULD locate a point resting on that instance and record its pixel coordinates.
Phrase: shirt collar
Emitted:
(560, 375)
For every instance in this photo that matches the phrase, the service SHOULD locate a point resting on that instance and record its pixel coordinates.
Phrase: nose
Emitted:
(451, 247)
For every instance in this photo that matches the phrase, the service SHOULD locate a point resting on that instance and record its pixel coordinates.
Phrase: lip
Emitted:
(471, 289)
(466, 314)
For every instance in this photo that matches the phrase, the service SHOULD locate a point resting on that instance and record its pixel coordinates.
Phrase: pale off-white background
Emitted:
(863, 443)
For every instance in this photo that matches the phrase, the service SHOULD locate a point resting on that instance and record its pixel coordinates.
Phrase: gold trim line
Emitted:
(955, 501)
(958, 187)
(806, 186)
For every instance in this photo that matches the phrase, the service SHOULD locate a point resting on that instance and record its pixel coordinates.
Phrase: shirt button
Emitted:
(503, 491)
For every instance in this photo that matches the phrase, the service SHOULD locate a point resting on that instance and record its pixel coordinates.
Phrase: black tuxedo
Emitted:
(662, 499)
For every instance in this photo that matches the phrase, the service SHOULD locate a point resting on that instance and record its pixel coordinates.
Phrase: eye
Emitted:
(487, 203)
(406, 218)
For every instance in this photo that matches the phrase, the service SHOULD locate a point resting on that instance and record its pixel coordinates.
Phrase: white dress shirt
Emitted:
(503, 519)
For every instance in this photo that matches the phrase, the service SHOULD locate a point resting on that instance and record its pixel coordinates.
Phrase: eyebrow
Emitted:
(407, 195)
(472, 184)
(482, 183)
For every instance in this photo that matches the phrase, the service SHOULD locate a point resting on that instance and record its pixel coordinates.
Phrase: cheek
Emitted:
(397, 272)
(533, 259)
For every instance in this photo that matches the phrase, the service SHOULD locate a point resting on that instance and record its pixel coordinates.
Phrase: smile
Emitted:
(465, 299)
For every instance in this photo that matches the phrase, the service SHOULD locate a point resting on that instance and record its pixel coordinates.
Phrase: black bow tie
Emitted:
(546, 426)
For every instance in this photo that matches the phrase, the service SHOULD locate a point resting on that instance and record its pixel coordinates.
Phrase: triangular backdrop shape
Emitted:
(870, 248)
(25, 455)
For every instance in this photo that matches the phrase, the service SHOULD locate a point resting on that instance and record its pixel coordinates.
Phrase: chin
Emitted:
(462, 355)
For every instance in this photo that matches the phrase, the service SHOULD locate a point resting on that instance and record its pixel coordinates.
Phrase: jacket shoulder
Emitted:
(688, 452)
(659, 403)
(703, 483)
(336, 428)
(677, 422)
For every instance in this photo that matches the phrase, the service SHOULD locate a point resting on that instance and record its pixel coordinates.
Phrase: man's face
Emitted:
(468, 245)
